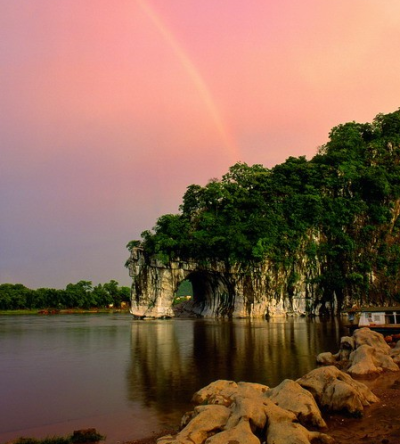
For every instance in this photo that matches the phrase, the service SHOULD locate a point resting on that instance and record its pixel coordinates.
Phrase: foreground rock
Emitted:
(246, 413)
(365, 354)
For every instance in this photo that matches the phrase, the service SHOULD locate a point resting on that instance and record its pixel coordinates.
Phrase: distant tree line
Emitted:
(80, 295)
(338, 212)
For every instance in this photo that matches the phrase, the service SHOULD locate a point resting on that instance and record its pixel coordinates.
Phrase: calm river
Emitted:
(130, 378)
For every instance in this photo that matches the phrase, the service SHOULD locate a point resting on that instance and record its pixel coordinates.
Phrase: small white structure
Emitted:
(380, 318)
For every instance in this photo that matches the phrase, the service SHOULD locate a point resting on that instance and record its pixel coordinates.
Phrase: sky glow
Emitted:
(109, 110)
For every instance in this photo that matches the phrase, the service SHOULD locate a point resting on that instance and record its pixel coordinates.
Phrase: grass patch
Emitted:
(48, 440)
(78, 437)
(19, 312)
(179, 300)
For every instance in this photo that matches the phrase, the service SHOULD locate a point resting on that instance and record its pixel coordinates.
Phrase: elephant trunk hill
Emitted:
(306, 236)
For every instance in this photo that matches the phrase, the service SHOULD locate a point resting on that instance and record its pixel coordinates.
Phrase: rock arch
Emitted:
(213, 292)
(155, 284)
(220, 290)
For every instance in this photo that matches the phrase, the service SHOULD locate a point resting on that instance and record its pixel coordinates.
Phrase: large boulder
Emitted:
(367, 360)
(367, 336)
(290, 396)
(335, 390)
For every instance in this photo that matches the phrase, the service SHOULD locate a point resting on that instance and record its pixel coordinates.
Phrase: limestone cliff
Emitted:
(222, 290)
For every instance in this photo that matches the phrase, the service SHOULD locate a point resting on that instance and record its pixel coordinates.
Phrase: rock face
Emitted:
(246, 413)
(364, 354)
(221, 290)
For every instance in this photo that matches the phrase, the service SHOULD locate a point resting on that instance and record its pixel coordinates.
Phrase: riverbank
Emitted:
(380, 422)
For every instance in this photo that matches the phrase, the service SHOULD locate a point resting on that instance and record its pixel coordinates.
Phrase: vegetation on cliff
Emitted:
(338, 213)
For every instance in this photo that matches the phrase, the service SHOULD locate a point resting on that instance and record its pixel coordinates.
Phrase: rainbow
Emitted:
(197, 79)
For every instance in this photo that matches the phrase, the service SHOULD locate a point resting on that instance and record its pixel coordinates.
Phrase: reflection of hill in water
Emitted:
(170, 360)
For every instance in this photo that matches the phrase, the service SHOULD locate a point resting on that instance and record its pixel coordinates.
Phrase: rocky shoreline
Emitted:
(325, 406)
(380, 423)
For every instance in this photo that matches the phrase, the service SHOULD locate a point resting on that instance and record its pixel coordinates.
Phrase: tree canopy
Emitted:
(80, 295)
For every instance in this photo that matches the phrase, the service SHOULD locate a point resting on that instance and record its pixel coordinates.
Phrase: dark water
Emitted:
(131, 378)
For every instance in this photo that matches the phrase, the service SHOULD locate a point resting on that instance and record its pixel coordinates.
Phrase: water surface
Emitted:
(131, 378)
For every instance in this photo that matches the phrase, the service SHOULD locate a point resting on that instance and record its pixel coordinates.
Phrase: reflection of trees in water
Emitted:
(170, 360)
(159, 370)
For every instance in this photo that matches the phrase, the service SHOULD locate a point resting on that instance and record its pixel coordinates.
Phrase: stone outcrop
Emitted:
(364, 354)
(242, 413)
(222, 290)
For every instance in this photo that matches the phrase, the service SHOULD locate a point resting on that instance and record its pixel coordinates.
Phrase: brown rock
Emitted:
(369, 337)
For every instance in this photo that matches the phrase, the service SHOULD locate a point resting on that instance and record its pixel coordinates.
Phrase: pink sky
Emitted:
(110, 109)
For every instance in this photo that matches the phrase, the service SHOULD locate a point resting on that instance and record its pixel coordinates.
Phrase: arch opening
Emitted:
(213, 293)
(183, 293)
